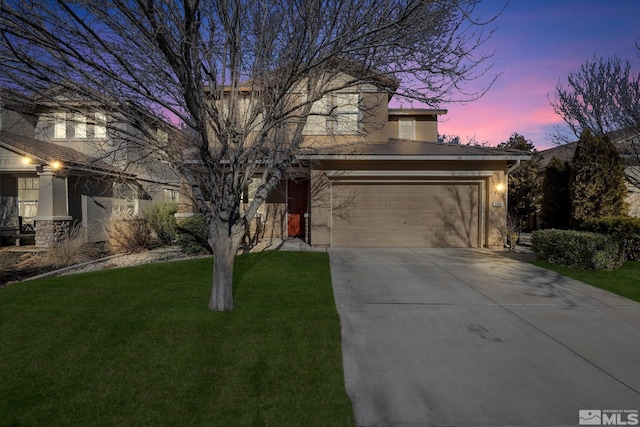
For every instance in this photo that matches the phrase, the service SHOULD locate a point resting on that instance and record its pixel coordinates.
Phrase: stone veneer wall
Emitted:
(49, 232)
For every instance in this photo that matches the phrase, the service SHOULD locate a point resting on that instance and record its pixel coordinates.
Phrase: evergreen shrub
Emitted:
(193, 235)
(624, 229)
(581, 250)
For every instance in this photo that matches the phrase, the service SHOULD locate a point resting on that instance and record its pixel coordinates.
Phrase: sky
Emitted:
(537, 43)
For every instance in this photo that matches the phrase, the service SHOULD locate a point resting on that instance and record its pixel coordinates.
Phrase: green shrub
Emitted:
(163, 221)
(577, 249)
(624, 229)
(193, 235)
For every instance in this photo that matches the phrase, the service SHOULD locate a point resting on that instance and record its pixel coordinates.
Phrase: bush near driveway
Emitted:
(577, 249)
(625, 229)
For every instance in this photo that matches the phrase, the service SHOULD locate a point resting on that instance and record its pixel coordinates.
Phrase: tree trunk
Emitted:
(225, 248)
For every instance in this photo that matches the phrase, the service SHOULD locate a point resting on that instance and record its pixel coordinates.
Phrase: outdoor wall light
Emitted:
(26, 160)
(499, 187)
(55, 165)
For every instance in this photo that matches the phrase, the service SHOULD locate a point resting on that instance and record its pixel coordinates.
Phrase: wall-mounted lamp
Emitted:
(55, 165)
(499, 187)
(26, 160)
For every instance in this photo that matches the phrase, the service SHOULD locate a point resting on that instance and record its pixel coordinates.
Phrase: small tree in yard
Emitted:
(556, 201)
(524, 184)
(598, 186)
(241, 78)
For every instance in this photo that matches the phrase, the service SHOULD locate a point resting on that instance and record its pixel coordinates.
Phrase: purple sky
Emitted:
(537, 42)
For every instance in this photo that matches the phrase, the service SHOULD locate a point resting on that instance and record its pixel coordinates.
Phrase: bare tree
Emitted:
(603, 96)
(241, 77)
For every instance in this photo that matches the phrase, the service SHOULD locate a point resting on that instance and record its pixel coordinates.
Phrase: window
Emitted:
(80, 124)
(346, 111)
(172, 196)
(100, 126)
(28, 198)
(337, 113)
(249, 195)
(60, 126)
(76, 126)
(406, 128)
(317, 120)
(163, 137)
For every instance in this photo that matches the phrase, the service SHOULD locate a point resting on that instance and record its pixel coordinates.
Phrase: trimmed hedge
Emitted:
(581, 250)
(624, 229)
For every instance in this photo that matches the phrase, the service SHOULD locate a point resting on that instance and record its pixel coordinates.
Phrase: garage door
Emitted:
(406, 214)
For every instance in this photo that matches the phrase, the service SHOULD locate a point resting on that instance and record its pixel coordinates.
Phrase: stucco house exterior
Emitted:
(61, 167)
(371, 175)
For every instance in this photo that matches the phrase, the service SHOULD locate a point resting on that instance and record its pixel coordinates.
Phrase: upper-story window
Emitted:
(60, 127)
(163, 137)
(100, 125)
(407, 129)
(335, 113)
(80, 126)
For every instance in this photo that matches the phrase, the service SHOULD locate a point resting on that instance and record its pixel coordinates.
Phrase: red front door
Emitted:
(297, 202)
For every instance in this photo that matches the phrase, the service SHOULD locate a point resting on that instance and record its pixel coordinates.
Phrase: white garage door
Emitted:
(406, 214)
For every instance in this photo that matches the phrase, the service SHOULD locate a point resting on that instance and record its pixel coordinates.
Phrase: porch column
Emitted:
(53, 221)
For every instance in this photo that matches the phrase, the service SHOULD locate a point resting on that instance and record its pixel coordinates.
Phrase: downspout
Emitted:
(506, 187)
(512, 168)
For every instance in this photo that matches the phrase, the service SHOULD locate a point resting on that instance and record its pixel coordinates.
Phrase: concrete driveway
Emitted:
(466, 337)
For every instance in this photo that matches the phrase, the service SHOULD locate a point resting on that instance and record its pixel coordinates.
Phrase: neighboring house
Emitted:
(628, 145)
(54, 172)
(378, 177)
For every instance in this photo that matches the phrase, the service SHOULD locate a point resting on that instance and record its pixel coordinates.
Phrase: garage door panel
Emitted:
(421, 214)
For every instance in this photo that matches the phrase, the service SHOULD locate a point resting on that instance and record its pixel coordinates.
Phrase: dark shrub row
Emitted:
(624, 229)
(577, 249)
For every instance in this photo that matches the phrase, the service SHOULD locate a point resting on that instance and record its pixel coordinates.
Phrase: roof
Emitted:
(400, 149)
(47, 152)
(416, 112)
(626, 142)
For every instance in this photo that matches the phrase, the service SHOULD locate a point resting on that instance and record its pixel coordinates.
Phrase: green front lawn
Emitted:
(624, 281)
(138, 346)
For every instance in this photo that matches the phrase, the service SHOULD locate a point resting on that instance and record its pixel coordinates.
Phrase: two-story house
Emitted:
(371, 175)
(60, 166)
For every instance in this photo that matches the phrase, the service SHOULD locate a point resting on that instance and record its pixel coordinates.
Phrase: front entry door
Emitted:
(297, 202)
